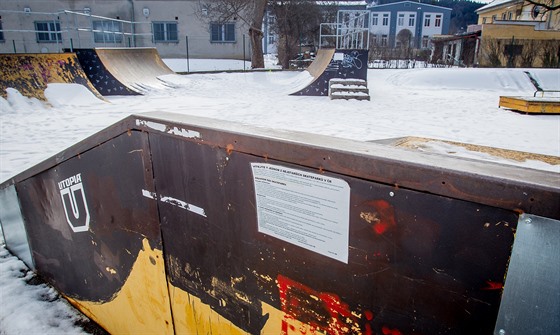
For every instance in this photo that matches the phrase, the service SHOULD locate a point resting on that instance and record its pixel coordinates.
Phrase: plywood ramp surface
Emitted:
(137, 68)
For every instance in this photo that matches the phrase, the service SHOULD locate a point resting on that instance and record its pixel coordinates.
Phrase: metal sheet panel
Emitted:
(418, 263)
(531, 298)
(13, 226)
(95, 236)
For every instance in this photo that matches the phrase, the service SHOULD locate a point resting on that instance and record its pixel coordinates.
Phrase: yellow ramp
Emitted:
(532, 105)
(31, 73)
(137, 68)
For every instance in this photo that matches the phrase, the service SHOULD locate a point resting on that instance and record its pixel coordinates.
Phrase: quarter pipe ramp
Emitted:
(331, 63)
(31, 73)
(136, 68)
(100, 77)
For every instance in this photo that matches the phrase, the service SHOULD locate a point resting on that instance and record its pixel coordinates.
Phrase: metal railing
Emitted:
(351, 31)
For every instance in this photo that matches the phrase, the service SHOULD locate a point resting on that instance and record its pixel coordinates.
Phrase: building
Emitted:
(174, 27)
(407, 22)
(457, 50)
(517, 33)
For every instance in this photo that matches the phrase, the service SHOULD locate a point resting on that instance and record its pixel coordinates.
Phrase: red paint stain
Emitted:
(388, 331)
(385, 216)
(492, 285)
(369, 315)
(368, 330)
(321, 311)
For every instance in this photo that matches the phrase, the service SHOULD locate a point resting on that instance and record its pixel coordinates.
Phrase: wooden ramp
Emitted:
(136, 68)
(532, 105)
(31, 73)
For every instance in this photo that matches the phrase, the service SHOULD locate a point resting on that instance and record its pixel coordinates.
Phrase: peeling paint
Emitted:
(168, 129)
(175, 202)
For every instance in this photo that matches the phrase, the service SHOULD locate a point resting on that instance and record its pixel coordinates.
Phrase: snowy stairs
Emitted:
(348, 89)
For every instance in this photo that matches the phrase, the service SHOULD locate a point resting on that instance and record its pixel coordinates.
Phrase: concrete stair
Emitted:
(348, 89)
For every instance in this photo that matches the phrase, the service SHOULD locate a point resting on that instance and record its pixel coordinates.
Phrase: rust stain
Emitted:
(229, 148)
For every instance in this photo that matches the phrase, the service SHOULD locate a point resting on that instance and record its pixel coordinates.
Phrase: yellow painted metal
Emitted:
(192, 316)
(31, 73)
(142, 306)
(537, 105)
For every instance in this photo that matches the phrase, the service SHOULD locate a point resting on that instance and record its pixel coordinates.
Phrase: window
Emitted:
(373, 39)
(427, 20)
(271, 19)
(510, 14)
(1, 32)
(425, 40)
(483, 20)
(493, 18)
(165, 32)
(375, 19)
(503, 16)
(385, 19)
(400, 21)
(222, 32)
(107, 31)
(48, 31)
(438, 21)
(270, 39)
(384, 40)
(411, 20)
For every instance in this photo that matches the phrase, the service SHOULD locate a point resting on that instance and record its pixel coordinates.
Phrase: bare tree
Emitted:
(548, 5)
(297, 23)
(250, 12)
(492, 50)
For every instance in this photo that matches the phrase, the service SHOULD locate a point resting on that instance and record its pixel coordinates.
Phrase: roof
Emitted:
(497, 3)
(415, 3)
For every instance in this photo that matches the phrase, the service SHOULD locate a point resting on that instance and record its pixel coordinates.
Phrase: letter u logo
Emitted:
(75, 207)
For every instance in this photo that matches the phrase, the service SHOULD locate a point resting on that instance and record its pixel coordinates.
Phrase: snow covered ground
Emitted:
(444, 103)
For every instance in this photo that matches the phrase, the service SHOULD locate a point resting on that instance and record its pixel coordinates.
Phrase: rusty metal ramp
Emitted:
(31, 73)
(136, 68)
(260, 231)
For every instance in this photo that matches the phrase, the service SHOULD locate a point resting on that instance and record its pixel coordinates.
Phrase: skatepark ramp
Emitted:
(137, 69)
(329, 64)
(31, 73)
(103, 80)
(166, 223)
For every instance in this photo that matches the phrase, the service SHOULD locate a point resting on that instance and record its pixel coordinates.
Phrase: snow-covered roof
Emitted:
(497, 3)
(373, 6)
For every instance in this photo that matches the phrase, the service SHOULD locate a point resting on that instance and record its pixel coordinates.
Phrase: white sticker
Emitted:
(338, 56)
(306, 209)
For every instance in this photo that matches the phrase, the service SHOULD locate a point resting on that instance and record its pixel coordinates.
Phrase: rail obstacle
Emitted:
(166, 223)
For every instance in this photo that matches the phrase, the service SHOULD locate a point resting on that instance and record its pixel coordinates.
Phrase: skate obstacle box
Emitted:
(167, 223)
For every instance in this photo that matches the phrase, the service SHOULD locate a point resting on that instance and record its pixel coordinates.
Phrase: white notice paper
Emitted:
(306, 209)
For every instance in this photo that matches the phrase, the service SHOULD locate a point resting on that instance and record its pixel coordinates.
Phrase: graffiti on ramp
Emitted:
(31, 73)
